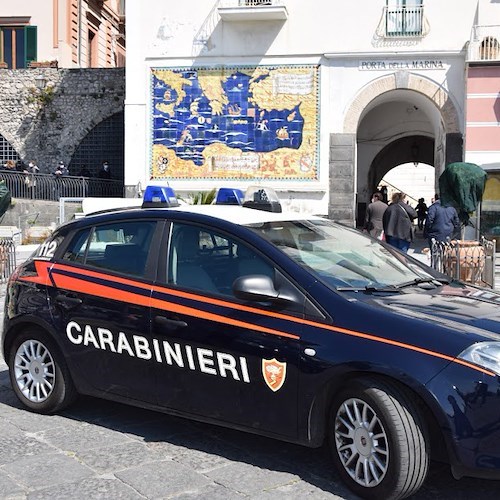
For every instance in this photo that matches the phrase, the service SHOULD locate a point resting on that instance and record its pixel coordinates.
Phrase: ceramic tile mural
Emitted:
(235, 123)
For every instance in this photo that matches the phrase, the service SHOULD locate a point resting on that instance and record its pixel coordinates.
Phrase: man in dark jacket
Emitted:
(441, 222)
(398, 222)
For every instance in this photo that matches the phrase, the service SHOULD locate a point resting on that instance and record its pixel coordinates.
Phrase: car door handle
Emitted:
(67, 301)
(171, 324)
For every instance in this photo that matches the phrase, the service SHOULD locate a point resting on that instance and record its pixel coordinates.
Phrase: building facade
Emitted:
(318, 102)
(63, 33)
(482, 128)
(62, 79)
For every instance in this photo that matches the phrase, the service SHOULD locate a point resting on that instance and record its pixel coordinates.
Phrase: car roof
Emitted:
(242, 215)
(231, 213)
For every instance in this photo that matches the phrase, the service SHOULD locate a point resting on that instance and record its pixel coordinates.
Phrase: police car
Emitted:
(288, 326)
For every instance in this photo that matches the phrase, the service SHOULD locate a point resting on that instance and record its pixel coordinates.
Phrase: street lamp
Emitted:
(40, 82)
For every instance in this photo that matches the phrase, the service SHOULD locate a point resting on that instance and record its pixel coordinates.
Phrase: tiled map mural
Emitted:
(235, 123)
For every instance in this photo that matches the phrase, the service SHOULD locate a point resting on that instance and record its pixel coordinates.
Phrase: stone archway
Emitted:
(342, 163)
(409, 81)
(48, 124)
(394, 154)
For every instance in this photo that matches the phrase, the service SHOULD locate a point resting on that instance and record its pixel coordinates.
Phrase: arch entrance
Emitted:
(412, 149)
(400, 118)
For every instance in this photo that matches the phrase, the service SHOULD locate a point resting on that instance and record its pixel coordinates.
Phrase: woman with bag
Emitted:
(398, 222)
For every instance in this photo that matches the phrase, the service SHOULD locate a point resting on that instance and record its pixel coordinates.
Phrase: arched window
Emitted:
(489, 49)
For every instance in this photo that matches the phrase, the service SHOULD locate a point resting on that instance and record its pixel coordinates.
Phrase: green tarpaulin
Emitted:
(461, 185)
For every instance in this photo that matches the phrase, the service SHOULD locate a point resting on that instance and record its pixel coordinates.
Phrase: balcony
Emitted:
(252, 10)
(484, 45)
(403, 22)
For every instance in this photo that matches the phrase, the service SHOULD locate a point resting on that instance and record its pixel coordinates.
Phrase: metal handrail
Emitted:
(7, 258)
(50, 187)
(469, 261)
(249, 3)
(409, 197)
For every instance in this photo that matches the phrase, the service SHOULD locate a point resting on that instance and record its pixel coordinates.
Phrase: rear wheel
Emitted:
(378, 440)
(38, 373)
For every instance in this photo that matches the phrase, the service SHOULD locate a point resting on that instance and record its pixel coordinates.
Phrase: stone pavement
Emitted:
(99, 449)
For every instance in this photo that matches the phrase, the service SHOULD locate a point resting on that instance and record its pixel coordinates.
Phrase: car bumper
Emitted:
(469, 403)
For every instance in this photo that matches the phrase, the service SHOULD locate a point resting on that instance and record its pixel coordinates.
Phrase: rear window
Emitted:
(119, 246)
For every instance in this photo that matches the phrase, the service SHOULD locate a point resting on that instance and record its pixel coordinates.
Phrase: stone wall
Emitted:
(48, 125)
(36, 216)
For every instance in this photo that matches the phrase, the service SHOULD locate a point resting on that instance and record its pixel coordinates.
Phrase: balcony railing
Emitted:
(484, 44)
(404, 21)
(48, 187)
(249, 3)
(252, 10)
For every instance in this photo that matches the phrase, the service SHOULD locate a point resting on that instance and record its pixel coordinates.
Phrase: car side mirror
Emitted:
(258, 288)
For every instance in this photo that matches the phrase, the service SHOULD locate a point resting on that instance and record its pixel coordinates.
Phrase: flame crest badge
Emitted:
(274, 373)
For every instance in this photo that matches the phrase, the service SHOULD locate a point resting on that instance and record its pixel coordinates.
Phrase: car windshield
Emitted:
(341, 257)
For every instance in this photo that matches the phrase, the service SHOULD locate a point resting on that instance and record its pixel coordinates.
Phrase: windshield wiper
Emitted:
(418, 281)
(368, 288)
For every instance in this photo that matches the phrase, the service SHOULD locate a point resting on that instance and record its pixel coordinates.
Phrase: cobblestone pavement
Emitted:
(99, 449)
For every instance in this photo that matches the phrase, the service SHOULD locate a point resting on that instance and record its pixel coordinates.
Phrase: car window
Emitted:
(339, 256)
(206, 260)
(120, 246)
(76, 250)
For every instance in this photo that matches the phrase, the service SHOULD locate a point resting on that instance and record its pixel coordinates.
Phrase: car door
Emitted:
(223, 358)
(101, 304)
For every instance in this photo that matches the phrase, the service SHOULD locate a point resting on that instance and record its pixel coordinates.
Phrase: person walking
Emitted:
(421, 209)
(374, 215)
(398, 222)
(441, 222)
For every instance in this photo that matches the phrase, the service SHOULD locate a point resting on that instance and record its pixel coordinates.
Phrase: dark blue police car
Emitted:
(284, 325)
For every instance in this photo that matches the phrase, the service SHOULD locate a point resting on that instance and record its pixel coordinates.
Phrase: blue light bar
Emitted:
(229, 196)
(159, 196)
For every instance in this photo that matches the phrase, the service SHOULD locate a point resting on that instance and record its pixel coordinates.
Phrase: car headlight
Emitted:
(484, 354)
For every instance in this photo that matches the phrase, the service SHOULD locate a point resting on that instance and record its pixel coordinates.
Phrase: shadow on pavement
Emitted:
(205, 446)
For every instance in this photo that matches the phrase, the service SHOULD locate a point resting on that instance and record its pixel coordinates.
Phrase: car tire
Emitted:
(378, 439)
(38, 373)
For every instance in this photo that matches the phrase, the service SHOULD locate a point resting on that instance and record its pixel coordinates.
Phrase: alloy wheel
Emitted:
(361, 442)
(35, 371)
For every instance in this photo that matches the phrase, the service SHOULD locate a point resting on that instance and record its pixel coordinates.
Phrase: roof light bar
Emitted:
(229, 196)
(262, 198)
(159, 196)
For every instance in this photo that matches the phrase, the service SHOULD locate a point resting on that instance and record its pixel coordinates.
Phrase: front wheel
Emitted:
(378, 440)
(38, 373)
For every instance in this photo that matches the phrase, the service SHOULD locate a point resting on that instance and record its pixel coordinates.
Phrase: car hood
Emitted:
(451, 304)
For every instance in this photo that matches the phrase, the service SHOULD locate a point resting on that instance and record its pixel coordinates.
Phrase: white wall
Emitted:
(336, 35)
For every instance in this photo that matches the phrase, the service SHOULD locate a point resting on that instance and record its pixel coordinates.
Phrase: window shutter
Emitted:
(30, 44)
